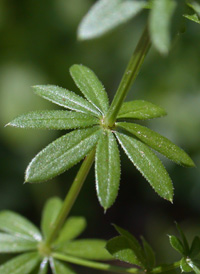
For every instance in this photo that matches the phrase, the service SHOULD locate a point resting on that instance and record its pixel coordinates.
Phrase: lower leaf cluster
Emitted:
(20, 236)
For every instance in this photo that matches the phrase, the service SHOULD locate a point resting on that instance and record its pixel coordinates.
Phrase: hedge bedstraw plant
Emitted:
(97, 129)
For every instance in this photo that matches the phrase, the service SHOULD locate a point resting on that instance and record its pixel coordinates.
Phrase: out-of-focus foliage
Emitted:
(38, 45)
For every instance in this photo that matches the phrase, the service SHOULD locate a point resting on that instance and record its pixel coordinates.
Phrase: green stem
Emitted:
(71, 196)
(129, 76)
(96, 265)
(111, 268)
(164, 268)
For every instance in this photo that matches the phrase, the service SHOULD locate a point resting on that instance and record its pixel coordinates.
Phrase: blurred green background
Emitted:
(38, 45)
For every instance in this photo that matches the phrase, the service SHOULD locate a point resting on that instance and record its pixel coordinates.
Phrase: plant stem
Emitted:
(129, 76)
(111, 268)
(71, 196)
(164, 268)
(96, 265)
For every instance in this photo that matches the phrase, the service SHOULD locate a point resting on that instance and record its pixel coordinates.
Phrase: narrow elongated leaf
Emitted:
(90, 86)
(18, 226)
(58, 267)
(160, 23)
(128, 235)
(136, 247)
(10, 244)
(176, 244)
(195, 248)
(54, 119)
(149, 254)
(92, 249)
(183, 238)
(120, 248)
(22, 264)
(148, 164)
(159, 143)
(72, 228)
(62, 154)
(107, 169)
(49, 214)
(194, 17)
(140, 110)
(107, 15)
(66, 99)
(196, 7)
(43, 266)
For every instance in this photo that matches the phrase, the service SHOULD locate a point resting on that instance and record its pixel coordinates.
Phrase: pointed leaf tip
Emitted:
(159, 143)
(107, 169)
(148, 164)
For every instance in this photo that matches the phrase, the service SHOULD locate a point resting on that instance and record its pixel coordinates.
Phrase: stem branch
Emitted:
(111, 268)
(129, 76)
(71, 196)
(96, 265)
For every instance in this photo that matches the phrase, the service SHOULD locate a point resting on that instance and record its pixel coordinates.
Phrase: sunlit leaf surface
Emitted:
(54, 119)
(107, 15)
(66, 99)
(18, 226)
(62, 154)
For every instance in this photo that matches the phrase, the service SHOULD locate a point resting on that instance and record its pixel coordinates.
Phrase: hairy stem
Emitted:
(129, 76)
(71, 196)
(111, 268)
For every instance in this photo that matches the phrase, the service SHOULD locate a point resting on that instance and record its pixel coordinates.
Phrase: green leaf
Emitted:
(184, 266)
(136, 247)
(159, 143)
(193, 17)
(120, 248)
(176, 244)
(60, 268)
(90, 86)
(72, 228)
(160, 23)
(127, 235)
(13, 244)
(91, 249)
(66, 99)
(54, 119)
(196, 7)
(43, 266)
(140, 110)
(62, 154)
(149, 254)
(49, 214)
(183, 238)
(107, 169)
(107, 15)
(148, 164)
(195, 248)
(22, 264)
(18, 226)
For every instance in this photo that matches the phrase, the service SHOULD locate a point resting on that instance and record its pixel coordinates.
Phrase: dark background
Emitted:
(38, 44)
